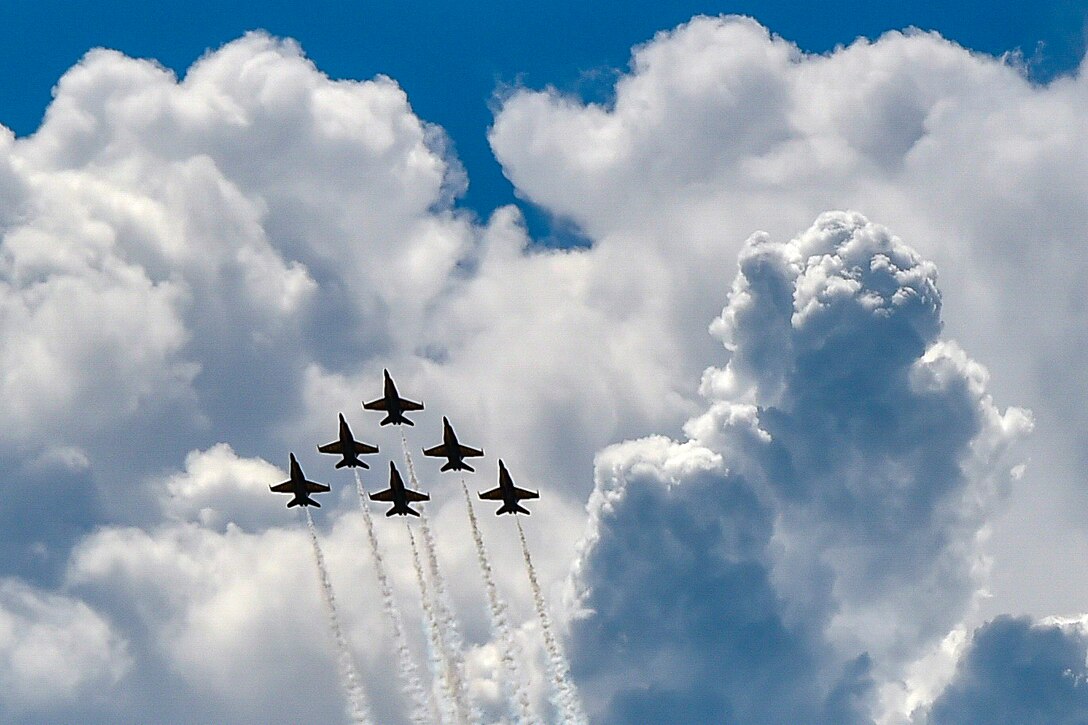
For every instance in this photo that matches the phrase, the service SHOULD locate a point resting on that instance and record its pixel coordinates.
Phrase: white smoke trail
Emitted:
(566, 699)
(500, 625)
(422, 707)
(451, 636)
(358, 708)
(444, 612)
(440, 666)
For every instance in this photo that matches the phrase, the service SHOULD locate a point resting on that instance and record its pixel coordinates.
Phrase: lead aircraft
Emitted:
(394, 405)
(299, 486)
(348, 447)
(454, 453)
(508, 493)
(399, 495)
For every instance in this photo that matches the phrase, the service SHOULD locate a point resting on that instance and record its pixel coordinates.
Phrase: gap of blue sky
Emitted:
(451, 57)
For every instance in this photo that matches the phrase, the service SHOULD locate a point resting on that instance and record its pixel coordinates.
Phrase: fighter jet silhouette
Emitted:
(508, 493)
(394, 405)
(454, 453)
(347, 447)
(399, 495)
(300, 487)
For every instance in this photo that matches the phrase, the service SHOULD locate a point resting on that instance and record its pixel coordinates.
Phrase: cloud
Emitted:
(957, 151)
(818, 529)
(176, 255)
(54, 651)
(173, 234)
(219, 489)
(1015, 671)
(230, 621)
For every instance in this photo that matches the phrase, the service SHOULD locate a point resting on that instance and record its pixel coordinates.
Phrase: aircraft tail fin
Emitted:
(512, 508)
(341, 464)
(293, 502)
(395, 420)
(451, 466)
(402, 510)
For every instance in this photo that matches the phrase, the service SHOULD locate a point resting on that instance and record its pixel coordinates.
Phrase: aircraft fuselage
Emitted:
(347, 446)
(453, 448)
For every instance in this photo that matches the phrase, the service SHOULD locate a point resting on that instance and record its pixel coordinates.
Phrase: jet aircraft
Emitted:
(300, 487)
(508, 493)
(399, 495)
(347, 447)
(394, 405)
(454, 452)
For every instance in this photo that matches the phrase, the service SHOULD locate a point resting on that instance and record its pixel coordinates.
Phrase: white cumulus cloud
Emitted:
(719, 128)
(818, 530)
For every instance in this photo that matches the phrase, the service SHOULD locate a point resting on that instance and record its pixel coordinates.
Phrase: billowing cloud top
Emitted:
(816, 532)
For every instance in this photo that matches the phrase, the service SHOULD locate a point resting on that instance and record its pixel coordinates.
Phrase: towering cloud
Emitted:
(720, 128)
(817, 531)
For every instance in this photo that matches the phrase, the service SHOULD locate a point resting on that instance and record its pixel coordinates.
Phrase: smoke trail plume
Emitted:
(440, 664)
(358, 709)
(444, 613)
(453, 645)
(422, 708)
(566, 697)
(500, 625)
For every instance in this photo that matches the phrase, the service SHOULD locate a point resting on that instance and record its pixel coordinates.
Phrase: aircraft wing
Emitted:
(436, 451)
(386, 495)
(315, 487)
(333, 447)
(407, 405)
(378, 404)
(467, 452)
(361, 448)
(284, 487)
(410, 495)
(494, 494)
(521, 493)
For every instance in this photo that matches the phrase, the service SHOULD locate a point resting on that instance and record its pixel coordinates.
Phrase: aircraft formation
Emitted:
(448, 699)
(349, 449)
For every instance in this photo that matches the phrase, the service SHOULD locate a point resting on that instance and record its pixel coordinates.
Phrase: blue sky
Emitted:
(799, 372)
(452, 57)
